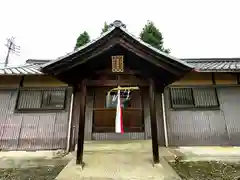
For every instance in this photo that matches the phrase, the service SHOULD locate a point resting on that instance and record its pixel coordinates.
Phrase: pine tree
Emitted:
(105, 28)
(83, 39)
(151, 35)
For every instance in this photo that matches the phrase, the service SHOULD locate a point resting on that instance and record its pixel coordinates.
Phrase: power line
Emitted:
(12, 48)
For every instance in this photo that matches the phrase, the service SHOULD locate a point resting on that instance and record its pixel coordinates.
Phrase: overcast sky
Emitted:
(47, 29)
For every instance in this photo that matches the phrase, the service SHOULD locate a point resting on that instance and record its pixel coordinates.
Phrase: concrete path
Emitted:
(212, 151)
(118, 161)
(207, 153)
(23, 159)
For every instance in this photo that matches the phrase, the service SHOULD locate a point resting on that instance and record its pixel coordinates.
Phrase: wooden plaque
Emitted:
(117, 64)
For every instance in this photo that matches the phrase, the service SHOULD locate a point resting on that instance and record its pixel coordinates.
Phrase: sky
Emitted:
(47, 29)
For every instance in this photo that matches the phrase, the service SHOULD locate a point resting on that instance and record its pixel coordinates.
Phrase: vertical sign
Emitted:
(117, 64)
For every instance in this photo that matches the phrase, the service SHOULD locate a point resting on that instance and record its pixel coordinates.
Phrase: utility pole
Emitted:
(12, 47)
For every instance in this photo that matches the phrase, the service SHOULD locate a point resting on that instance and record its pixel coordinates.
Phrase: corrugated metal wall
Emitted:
(36, 131)
(206, 127)
(147, 120)
(31, 131)
(230, 100)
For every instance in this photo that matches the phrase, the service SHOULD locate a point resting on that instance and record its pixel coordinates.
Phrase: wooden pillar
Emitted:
(80, 143)
(75, 117)
(152, 92)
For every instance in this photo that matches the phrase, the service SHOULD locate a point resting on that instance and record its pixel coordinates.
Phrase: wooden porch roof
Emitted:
(117, 35)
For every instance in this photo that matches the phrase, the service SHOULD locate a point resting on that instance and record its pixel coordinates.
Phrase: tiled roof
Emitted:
(215, 64)
(201, 65)
(28, 69)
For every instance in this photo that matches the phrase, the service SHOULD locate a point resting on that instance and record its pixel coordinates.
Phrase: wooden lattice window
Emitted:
(194, 98)
(41, 99)
(117, 64)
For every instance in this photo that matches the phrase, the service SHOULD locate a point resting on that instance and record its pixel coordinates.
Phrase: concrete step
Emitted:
(131, 146)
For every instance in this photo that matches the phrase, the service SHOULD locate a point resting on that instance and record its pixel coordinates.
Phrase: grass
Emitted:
(33, 173)
(202, 170)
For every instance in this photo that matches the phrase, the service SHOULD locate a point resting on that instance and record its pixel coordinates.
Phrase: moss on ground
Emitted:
(33, 173)
(202, 170)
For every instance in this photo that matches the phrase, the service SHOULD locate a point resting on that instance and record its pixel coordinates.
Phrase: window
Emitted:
(193, 98)
(42, 99)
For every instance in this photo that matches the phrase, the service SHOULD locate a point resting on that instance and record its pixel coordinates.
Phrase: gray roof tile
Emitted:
(201, 65)
(215, 64)
(28, 69)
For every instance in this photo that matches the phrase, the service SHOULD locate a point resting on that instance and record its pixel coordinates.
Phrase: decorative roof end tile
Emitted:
(118, 23)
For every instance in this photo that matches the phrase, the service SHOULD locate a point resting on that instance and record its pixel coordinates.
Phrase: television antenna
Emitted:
(12, 48)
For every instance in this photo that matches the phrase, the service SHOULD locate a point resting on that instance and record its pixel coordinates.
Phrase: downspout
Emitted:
(164, 121)
(70, 123)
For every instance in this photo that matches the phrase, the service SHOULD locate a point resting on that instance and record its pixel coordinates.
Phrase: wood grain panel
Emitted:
(104, 120)
(42, 81)
(195, 78)
(225, 78)
(10, 81)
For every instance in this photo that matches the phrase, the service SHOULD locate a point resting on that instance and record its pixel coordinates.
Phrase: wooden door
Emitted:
(104, 117)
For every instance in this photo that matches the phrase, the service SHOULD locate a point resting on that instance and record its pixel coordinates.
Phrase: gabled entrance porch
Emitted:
(93, 67)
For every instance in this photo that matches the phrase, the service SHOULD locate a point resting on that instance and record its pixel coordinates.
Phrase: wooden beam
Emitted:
(80, 143)
(213, 78)
(127, 71)
(238, 81)
(205, 85)
(152, 92)
(106, 83)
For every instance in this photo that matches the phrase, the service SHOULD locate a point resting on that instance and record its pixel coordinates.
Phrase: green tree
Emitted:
(83, 38)
(105, 27)
(151, 35)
